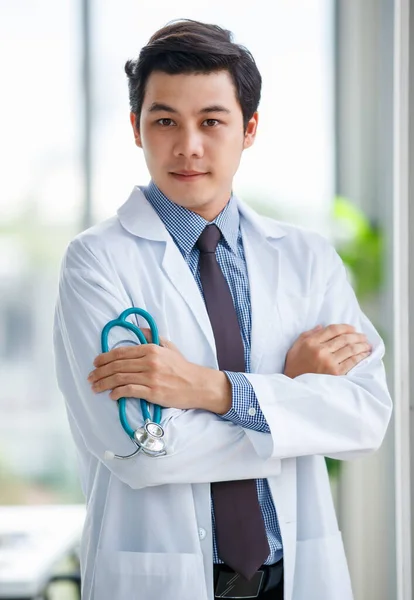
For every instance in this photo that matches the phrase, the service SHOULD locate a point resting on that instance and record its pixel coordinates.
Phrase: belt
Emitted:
(229, 584)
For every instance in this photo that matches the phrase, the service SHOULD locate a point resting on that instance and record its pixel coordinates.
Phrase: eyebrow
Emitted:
(214, 108)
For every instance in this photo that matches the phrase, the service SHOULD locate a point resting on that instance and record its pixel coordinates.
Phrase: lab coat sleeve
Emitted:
(342, 417)
(201, 446)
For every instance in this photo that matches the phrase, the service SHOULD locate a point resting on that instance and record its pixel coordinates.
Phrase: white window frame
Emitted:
(403, 284)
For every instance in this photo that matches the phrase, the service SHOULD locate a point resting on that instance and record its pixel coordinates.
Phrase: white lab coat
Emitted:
(148, 532)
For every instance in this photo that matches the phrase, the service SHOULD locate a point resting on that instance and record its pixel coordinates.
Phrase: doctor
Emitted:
(255, 395)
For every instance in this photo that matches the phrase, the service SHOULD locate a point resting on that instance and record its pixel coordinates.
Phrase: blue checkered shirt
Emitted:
(185, 227)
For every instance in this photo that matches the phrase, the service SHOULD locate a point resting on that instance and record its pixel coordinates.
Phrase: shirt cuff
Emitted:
(245, 410)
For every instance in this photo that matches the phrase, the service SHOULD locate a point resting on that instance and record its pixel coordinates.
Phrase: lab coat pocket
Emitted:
(321, 571)
(149, 576)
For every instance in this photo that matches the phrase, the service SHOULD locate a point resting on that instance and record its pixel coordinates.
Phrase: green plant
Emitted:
(360, 245)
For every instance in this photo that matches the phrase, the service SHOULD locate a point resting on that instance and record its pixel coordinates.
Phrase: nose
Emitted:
(189, 144)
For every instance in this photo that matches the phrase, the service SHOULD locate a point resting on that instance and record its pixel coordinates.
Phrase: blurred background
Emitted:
(325, 157)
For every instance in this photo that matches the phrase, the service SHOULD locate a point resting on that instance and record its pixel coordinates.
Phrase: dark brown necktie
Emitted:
(241, 534)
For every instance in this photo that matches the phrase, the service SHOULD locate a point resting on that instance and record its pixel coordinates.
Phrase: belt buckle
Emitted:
(232, 585)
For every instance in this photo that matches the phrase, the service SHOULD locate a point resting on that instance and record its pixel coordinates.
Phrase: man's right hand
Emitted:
(331, 350)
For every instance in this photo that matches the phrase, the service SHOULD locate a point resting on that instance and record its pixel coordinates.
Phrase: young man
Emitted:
(266, 363)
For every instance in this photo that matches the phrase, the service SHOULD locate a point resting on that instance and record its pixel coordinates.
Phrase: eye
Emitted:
(165, 122)
(211, 122)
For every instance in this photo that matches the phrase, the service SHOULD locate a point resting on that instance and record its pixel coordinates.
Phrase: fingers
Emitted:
(118, 366)
(128, 365)
(337, 332)
(351, 350)
(332, 331)
(131, 391)
(148, 336)
(324, 334)
(122, 353)
(347, 365)
(125, 353)
(347, 339)
(129, 352)
(131, 380)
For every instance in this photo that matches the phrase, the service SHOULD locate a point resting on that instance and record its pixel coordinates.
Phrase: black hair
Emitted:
(188, 46)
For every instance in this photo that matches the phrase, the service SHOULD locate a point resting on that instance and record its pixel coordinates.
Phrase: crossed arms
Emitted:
(319, 405)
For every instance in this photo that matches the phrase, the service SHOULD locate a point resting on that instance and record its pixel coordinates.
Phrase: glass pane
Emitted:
(39, 212)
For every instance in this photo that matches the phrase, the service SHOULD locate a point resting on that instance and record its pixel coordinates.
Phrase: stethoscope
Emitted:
(149, 438)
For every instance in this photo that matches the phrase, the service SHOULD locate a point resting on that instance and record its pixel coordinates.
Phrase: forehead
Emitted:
(191, 91)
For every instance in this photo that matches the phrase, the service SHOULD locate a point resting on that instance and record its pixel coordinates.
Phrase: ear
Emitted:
(251, 129)
(137, 135)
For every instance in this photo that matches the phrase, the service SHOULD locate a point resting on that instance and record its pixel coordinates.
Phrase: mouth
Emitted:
(188, 175)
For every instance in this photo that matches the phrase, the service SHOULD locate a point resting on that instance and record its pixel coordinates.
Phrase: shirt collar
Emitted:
(186, 226)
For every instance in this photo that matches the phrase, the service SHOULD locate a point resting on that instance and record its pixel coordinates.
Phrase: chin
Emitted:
(188, 195)
(189, 190)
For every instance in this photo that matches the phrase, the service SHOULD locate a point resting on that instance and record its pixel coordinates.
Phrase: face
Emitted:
(191, 132)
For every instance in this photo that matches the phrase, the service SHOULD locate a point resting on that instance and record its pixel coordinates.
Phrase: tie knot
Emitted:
(208, 240)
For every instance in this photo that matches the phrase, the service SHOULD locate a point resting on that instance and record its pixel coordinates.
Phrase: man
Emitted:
(266, 363)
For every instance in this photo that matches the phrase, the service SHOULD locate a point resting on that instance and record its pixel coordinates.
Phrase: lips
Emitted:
(188, 175)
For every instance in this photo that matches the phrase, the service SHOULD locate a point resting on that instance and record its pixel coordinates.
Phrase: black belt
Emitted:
(228, 584)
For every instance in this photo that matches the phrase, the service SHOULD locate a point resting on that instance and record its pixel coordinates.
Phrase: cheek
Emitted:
(155, 150)
(228, 152)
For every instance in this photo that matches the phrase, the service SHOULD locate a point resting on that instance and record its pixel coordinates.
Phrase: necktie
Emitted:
(241, 534)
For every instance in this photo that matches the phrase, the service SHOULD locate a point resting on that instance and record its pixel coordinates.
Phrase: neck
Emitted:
(209, 209)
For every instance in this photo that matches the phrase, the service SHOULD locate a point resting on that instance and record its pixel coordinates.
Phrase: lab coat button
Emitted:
(202, 533)
(252, 411)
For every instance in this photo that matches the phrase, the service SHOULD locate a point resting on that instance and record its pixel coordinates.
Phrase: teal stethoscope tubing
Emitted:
(122, 322)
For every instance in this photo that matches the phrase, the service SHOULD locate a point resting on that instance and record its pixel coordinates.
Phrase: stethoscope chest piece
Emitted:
(149, 439)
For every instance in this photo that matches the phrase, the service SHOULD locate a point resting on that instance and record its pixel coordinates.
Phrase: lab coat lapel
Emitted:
(263, 266)
(178, 272)
(139, 218)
